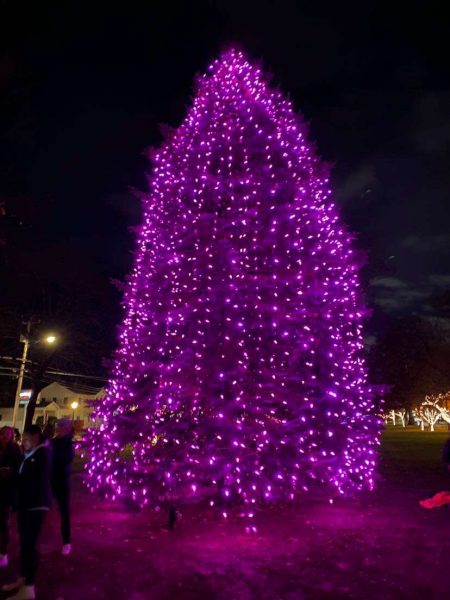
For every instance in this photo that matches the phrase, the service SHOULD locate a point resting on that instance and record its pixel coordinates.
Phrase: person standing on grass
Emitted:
(32, 503)
(446, 453)
(62, 445)
(10, 459)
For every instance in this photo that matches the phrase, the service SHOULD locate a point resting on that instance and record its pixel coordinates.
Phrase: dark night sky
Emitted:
(84, 86)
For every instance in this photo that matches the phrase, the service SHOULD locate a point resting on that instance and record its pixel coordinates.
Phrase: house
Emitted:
(55, 402)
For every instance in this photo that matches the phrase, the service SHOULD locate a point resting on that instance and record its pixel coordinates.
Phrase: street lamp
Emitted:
(49, 339)
(74, 407)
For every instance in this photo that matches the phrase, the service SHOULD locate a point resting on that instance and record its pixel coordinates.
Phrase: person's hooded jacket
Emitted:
(34, 480)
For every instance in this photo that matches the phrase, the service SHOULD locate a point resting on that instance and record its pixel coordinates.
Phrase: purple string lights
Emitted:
(240, 362)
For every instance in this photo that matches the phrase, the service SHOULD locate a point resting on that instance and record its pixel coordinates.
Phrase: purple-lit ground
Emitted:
(380, 545)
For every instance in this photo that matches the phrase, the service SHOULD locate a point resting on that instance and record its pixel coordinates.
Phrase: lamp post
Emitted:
(26, 343)
(74, 407)
(49, 339)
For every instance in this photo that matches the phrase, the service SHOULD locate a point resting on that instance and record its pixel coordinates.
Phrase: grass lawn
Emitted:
(405, 451)
(377, 546)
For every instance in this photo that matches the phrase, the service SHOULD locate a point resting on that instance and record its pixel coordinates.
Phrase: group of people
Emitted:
(31, 472)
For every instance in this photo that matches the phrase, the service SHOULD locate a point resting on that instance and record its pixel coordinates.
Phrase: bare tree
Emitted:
(433, 408)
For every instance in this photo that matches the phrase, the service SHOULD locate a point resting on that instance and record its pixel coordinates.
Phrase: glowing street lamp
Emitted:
(49, 339)
(74, 407)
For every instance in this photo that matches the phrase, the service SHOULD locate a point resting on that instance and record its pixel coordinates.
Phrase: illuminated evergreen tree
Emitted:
(240, 361)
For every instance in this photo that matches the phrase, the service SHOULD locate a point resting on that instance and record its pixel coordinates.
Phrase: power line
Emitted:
(51, 372)
(54, 372)
(82, 387)
(56, 379)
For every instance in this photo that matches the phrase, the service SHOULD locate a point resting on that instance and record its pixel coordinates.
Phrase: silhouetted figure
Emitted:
(10, 459)
(172, 517)
(32, 503)
(49, 431)
(446, 453)
(62, 445)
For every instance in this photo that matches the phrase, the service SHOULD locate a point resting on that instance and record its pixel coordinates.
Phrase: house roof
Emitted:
(46, 404)
(72, 388)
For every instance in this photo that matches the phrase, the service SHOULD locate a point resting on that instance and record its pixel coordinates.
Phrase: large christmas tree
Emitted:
(240, 364)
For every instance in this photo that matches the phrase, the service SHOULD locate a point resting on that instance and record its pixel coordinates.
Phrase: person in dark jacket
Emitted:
(10, 459)
(62, 446)
(33, 501)
(17, 436)
(446, 453)
(48, 431)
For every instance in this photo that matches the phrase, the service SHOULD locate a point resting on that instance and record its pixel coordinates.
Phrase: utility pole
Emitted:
(25, 340)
